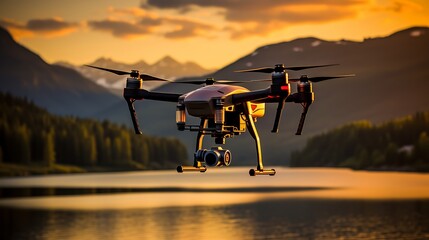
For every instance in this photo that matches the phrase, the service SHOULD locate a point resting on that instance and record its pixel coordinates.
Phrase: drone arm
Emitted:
(159, 96)
(139, 94)
(131, 95)
(251, 96)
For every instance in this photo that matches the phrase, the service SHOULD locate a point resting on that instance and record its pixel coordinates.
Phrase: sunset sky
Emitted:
(212, 33)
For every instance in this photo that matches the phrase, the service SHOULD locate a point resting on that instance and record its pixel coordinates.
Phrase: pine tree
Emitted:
(49, 148)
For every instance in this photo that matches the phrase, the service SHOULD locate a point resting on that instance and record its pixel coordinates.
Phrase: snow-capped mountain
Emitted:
(166, 67)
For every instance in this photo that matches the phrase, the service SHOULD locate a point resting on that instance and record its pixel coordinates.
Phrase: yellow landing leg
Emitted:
(254, 172)
(182, 169)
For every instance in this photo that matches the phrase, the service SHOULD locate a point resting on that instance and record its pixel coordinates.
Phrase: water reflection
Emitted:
(276, 219)
(12, 192)
(226, 204)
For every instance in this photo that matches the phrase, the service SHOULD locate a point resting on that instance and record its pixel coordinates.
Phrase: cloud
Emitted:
(49, 27)
(398, 6)
(182, 19)
(256, 17)
(140, 22)
(120, 29)
(187, 29)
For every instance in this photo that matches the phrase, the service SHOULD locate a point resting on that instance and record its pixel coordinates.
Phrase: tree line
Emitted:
(31, 135)
(401, 144)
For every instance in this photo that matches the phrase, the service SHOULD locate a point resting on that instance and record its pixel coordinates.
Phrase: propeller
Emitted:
(302, 79)
(133, 73)
(281, 67)
(147, 77)
(211, 81)
(208, 81)
(305, 78)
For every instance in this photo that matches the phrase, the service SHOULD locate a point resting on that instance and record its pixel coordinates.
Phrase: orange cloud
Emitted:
(141, 22)
(49, 27)
(255, 17)
(120, 29)
(187, 28)
(398, 6)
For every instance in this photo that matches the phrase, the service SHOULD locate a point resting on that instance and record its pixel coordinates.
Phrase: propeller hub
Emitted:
(135, 73)
(279, 68)
(210, 81)
(304, 78)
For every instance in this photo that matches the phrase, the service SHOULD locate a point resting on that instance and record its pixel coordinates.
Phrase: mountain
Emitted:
(166, 67)
(392, 78)
(59, 89)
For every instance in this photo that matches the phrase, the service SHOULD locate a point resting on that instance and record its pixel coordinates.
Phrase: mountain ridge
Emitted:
(166, 67)
(56, 88)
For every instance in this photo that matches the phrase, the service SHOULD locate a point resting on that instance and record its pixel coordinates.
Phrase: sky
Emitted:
(212, 33)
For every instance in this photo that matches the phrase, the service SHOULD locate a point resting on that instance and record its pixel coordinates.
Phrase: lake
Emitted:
(225, 203)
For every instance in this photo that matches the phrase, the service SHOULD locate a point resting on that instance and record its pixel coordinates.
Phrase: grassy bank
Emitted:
(8, 169)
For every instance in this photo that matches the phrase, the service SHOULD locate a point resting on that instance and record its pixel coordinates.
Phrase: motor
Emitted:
(215, 157)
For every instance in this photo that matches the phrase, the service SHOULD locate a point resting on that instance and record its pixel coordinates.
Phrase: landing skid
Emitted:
(181, 169)
(254, 172)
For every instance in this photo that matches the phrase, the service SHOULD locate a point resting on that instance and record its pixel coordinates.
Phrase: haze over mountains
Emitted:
(166, 67)
(392, 80)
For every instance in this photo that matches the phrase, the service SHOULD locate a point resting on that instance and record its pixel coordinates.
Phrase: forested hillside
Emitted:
(402, 144)
(30, 135)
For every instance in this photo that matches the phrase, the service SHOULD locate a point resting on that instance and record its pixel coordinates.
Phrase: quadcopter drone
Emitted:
(225, 110)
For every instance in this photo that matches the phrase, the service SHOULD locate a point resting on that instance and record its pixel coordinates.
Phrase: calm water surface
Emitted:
(220, 204)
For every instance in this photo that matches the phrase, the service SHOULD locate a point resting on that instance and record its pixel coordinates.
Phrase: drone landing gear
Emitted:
(197, 167)
(226, 157)
(253, 172)
(254, 133)
(181, 169)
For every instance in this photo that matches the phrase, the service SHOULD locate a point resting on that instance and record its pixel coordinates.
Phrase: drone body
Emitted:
(225, 110)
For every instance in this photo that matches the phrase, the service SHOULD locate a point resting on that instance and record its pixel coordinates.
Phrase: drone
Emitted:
(226, 110)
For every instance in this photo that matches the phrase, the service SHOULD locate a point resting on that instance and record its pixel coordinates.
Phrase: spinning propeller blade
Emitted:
(145, 77)
(278, 68)
(211, 81)
(117, 72)
(319, 79)
(261, 70)
(308, 67)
